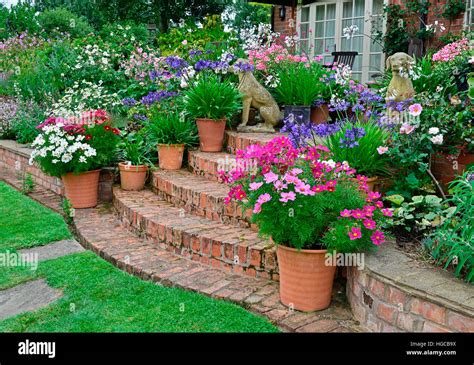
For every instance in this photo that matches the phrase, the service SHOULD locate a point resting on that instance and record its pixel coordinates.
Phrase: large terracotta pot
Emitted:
(320, 114)
(211, 134)
(305, 279)
(132, 177)
(82, 189)
(446, 167)
(170, 156)
(371, 182)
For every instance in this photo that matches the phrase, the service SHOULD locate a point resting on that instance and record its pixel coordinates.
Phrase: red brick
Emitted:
(428, 310)
(377, 288)
(387, 312)
(459, 322)
(433, 327)
(396, 297)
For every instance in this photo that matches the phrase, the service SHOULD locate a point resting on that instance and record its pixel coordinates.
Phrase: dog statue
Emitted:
(400, 87)
(255, 95)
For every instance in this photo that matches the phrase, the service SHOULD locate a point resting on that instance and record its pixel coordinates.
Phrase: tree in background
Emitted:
(242, 14)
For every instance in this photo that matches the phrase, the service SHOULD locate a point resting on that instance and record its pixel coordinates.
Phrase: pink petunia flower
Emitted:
(415, 109)
(270, 177)
(255, 186)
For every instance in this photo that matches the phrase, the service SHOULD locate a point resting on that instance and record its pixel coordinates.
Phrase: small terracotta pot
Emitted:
(211, 134)
(170, 156)
(305, 279)
(132, 177)
(82, 189)
(371, 182)
(320, 114)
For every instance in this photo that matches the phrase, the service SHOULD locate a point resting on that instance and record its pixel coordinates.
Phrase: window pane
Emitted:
(318, 46)
(331, 11)
(330, 28)
(345, 44)
(360, 24)
(359, 7)
(357, 44)
(319, 29)
(347, 10)
(330, 45)
(304, 31)
(374, 46)
(304, 46)
(305, 14)
(320, 12)
(375, 62)
(377, 7)
(328, 59)
(357, 64)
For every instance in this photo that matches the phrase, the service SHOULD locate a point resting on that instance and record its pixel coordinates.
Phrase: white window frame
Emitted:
(366, 53)
(468, 14)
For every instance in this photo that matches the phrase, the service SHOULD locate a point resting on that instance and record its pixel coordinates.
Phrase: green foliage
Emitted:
(170, 127)
(246, 14)
(420, 214)
(134, 149)
(453, 8)
(364, 157)
(471, 85)
(212, 98)
(27, 117)
(300, 84)
(19, 18)
(28, 184)
(453, 242)
(395, 38)
(62, 20)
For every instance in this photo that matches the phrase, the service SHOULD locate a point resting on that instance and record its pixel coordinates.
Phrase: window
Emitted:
(469, 16)
(322, 32)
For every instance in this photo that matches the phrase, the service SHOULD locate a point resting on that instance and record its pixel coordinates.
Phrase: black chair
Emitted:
(345, 57)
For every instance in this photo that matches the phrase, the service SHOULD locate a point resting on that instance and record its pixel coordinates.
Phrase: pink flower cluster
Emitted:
(452, 50)
(264, 57)
(141, 63)
(75, 123)
(365, 216)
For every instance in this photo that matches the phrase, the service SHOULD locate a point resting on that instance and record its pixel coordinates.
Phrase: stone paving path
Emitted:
(27, 297)
(52, 250)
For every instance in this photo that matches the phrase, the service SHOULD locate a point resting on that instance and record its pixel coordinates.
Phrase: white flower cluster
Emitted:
(60, 147)
(350, 31)
(342, 74)
(437, 136)
(271, 81)
(83, 96)
(257, 36)
(93, 56)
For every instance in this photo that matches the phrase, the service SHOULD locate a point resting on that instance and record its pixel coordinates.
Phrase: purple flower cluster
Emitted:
(339, 105)
(156, 96)
(211, 65)
(399, 106)
(129, 101)
(194, 52)
(326, 129)
(176, 63)
(351, 136)
(243, 66)
(139, 117)
(299, 132)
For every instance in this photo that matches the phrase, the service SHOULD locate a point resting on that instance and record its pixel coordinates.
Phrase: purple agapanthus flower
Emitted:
(326, 129)
(156, 96)
(139, 117)
(351, 137)
(129, 101)
(243, 66)
(176, 62)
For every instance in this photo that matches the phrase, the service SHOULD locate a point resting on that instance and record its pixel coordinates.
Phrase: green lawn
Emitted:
(100, 298)
(25, 223)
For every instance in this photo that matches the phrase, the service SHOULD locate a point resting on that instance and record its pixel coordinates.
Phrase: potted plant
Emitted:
(75, 150)
(363, 146)
(299, 85)
(310, 207)
(134, 166)
(211, 101)
(172, 133)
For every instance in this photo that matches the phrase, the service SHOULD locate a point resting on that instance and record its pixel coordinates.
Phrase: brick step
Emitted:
(208, 164)
(199, 196)
(239, 140)
(234, 249)
(100, 231)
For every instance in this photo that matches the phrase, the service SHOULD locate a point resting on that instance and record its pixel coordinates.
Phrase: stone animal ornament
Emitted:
(255, 95)
(400, 87)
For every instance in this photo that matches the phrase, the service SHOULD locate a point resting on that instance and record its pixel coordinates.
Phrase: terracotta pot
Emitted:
(371, 182)
(82, 189)
(211, 134)
(446, 167)
(132, 177)
(305, 280)
(320, 114)
(170, 156)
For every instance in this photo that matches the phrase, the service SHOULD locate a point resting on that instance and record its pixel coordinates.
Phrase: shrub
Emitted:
(135, 150)
(25, 121)
(20, 17)
(8, 109)
(211, 98)
(63, 21)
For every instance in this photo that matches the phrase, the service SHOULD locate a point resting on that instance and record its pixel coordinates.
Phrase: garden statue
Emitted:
(255, 95)
(400, 87)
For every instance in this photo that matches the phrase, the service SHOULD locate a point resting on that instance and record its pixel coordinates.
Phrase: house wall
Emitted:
(284, 26)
